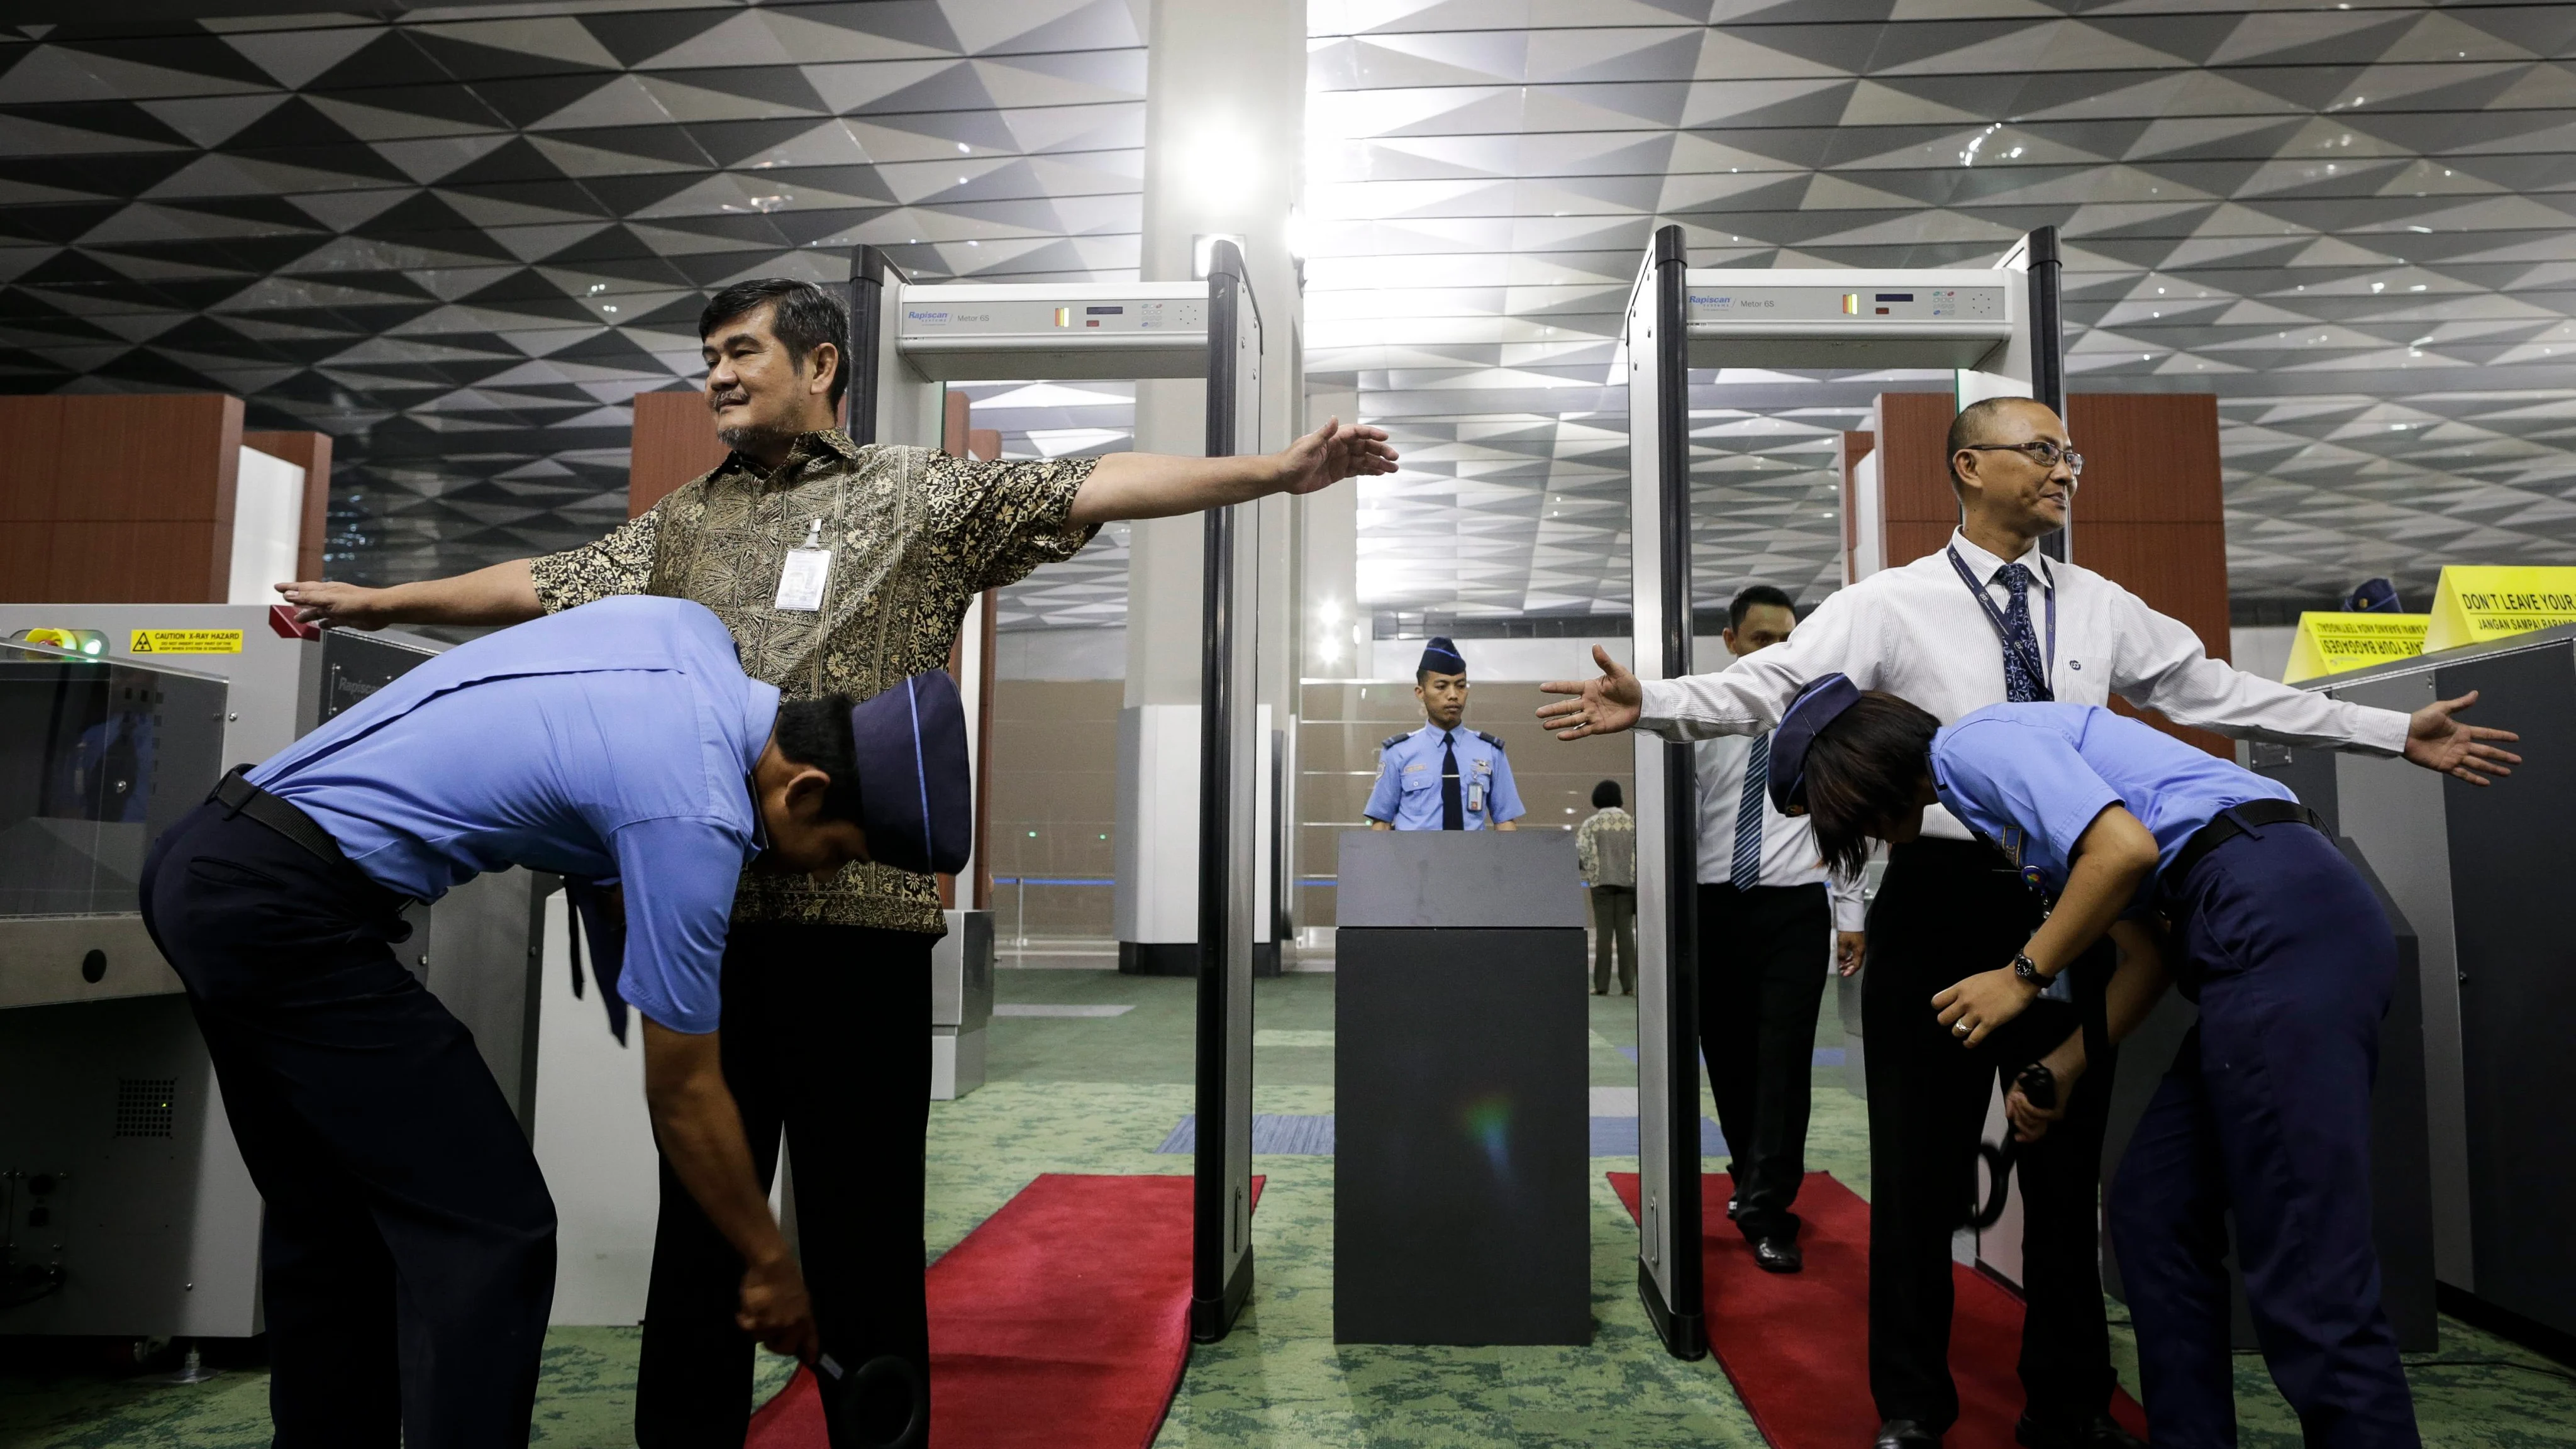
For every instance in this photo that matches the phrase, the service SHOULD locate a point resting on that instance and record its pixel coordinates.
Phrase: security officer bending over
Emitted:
(409, 1252)
(1442, 777)
(2266, 1113)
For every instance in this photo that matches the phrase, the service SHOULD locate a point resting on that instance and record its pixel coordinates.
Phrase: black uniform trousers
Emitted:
(1763, 958)
(1947, 910)
(826, 1032)
(2267, 1112)
(408, 1253)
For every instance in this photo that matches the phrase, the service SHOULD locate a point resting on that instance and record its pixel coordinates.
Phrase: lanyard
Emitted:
(2039, 668)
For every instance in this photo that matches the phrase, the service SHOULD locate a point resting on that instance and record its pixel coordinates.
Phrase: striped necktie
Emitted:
(1748, 816)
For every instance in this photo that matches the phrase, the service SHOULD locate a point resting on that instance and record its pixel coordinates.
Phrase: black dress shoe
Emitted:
(2100, 1432)
(1905, 1434)
(1778, 1255)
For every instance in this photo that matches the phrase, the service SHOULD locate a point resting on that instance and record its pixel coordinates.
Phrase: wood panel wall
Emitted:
(674, 443)
(124, 498)
(2150, 514)
(312, 453)
(1918, 508)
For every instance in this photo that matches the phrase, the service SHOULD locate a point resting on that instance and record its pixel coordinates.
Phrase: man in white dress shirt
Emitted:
(1984, 621)
(1766, 910)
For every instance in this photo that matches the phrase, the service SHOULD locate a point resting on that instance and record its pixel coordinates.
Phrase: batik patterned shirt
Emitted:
(914, 535)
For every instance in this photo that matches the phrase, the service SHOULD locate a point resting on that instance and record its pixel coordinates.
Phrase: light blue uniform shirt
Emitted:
(1408, 780)
(616, 739)
(2032, 778)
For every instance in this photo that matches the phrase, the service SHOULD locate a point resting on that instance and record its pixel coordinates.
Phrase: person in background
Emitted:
(839, 567)
(1773, 925)
(2265, 1116)
(1605, 850)
(1443, 776)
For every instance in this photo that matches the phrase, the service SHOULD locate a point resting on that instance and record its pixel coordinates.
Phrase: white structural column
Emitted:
(1225, 118)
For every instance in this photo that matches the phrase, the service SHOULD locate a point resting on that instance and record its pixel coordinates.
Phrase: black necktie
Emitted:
(1453, 807)
(2020, 684)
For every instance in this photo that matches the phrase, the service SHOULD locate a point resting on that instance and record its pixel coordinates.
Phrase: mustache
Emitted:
(719, 401)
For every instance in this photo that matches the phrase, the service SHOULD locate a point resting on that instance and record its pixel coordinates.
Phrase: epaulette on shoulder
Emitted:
(1391, 741)
(1489, 739)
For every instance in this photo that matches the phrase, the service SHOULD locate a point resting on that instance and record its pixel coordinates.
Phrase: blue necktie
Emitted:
(2020, 685)
(1453, 810)
(1748, 816)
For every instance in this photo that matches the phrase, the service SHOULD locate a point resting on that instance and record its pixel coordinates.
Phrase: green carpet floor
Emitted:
(1098, 1094)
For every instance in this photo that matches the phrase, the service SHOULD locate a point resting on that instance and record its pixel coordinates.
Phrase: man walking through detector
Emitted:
(1772, 925)
(1443, 776)
(408, 1251)
(1984, 621)
(2265, 1115)
(837, 567)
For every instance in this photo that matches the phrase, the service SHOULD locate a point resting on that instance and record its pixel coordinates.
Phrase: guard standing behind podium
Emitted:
(1443, 776)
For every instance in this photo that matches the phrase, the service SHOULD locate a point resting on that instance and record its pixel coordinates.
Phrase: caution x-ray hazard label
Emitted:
(185, 641)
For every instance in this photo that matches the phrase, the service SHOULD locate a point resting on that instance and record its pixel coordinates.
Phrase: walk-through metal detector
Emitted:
(1979, 322)
(909, 340)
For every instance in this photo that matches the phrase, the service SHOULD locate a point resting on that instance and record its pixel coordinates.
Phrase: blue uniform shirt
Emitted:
(616, 739)
(1408, 780)
(2032, 778)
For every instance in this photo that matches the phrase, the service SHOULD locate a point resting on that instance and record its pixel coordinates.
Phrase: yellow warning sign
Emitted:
(185, 641)
(2473, 604)
(2332, 643)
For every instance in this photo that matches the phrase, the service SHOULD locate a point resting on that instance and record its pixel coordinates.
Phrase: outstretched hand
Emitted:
(1333, 452)
(1602, 706)
(2440, 742)
(335, 605)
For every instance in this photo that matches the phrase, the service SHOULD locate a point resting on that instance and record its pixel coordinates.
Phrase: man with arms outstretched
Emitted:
(1985, 621)
(838, 567)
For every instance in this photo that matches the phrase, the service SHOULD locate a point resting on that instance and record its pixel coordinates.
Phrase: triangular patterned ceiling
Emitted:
(460, 239)
(2317, 214)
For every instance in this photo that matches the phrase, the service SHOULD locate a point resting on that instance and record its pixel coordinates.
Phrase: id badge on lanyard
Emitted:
(808, 568)
(2040, 669)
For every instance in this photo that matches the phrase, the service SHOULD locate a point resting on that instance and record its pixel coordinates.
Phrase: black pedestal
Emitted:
(1461, 1146)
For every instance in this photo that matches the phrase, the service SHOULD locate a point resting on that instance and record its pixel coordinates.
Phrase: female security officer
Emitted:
(2267, 1108)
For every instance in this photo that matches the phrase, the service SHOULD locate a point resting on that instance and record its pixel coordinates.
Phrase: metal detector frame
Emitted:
(1665, 336)
(901, 369)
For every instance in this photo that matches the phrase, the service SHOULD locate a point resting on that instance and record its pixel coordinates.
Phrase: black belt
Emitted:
(237, 794)
(2238, 820)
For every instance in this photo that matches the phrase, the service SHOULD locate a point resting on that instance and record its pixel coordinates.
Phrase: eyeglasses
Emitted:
(2039, 450)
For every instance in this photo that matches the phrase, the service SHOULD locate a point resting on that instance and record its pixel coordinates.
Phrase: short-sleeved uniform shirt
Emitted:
(612, 740)
(2033, 777)
(914, 535)
(1407, 795)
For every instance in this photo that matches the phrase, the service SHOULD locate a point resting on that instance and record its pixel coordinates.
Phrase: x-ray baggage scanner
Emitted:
(909, 340)
(128, 1210)
(1997, 328)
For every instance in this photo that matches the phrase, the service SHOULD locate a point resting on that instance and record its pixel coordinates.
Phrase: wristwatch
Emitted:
(2028, 970)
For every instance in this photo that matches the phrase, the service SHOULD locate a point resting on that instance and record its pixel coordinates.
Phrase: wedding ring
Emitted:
(1960, 1030)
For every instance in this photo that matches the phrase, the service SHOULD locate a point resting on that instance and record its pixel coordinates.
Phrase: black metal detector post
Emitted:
(907, 341)
(1980, 322)
(1668, 1207)
(1221, 1244)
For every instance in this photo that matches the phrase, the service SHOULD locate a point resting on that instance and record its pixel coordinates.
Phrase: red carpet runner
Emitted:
(1063, 1321)
(1796, 1345)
